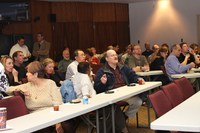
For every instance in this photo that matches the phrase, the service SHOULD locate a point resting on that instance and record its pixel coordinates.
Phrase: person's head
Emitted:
(84, 67)
(128, 49)
(49, 65)
(7, 62)
(79, 55)
(116, 48)
(163, 52)
(111, 57)
(18, 57)
(176, 50)
(34, 70)
(93, 50)
(136, 49)
(184, 47)
(155, 48)
(147, 46)
(21, 40)
(195, 47)
(88, 54)
(66, 54)
(39, 37)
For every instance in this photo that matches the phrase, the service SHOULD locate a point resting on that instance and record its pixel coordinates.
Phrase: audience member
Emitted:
(64, 63)
(148, 50)
(172, 64)
(84, 87)
(81, 81)
(10, 72)
(79, 56)
(21, 46)
(195, 47)
(41, 48)
(3, 82)
(158, 64)
(153, 56)
(113, 75)
(40, 93)
(91, 58)
(187, 55)
(160, 60)
(18, 59)
(50, 73)
(137, 62)
(126, 54)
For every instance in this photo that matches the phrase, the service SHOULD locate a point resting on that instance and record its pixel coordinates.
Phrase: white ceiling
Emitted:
(101, 1)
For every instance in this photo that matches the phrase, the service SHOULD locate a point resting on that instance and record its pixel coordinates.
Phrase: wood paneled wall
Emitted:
(78, 25)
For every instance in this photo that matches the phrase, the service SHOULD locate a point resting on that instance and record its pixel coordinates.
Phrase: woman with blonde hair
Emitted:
(50, 73)
(10, 72)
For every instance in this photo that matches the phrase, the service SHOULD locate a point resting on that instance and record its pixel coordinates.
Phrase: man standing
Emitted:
(173, 66)
(20, 46)
(113, 75)
(41, 48)
(79, 56)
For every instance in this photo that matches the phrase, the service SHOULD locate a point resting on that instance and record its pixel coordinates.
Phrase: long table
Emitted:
(184, 117)
(187, 75)
(150, 73)
(41, 119)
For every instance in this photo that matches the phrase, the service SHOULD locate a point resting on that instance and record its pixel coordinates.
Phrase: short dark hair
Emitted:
(15, 54)
(20, 37)
(83, 67)
(76, 53)
(181, 44)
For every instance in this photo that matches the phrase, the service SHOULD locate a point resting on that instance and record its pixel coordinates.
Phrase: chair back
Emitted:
(160, 103)
(173, 93)
(15, 107)
(185, 87)
(18, 93)
(95, 68)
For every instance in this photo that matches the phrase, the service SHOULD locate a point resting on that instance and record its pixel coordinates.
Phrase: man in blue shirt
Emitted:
(172, 64)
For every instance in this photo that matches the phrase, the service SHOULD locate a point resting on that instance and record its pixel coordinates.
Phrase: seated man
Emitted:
(173, 66)
(64, 63)
(137, 62)
(187, 55)
(113, 75)
(18, 58)
(79, 56)
(84, 87)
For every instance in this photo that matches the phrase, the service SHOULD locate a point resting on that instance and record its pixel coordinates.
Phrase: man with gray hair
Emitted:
(172, 64)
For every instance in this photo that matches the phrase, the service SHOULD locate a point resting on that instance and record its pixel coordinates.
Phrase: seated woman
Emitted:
(50, 73)
(3, 82)
(10, 72)
(39, 93)
(84, 87)
(158, 64)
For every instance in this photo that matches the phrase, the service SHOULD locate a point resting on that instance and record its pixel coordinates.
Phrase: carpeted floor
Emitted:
(131, 123)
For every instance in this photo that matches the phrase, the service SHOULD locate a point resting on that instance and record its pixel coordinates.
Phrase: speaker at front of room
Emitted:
(52, 18)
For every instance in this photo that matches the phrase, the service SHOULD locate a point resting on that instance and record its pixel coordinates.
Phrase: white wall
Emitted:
(149, 22)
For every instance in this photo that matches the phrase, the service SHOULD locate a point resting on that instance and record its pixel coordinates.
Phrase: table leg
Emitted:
(113, 117)
(97, 121)
(104, 121)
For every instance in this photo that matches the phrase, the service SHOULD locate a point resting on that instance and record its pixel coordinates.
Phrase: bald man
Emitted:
(113, 75)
